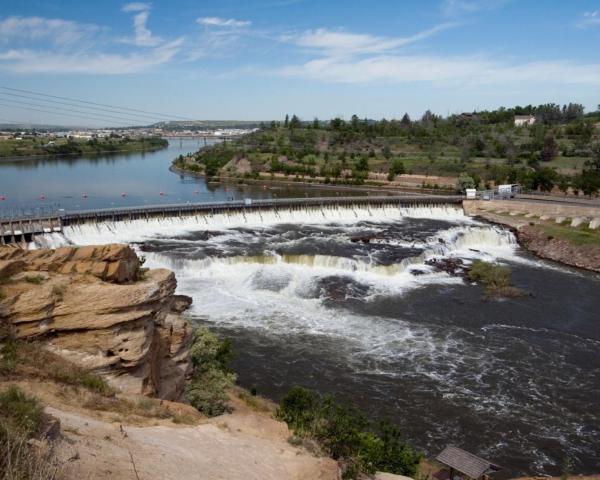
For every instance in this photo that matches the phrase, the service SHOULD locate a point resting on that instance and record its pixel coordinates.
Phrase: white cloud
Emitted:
(136, 7)
(454, 8)
(589, 19)
(40, 45)
(222, 22)
(53, 30)
(448, 70)
(31, 61)
(342, 43)
(143, 37)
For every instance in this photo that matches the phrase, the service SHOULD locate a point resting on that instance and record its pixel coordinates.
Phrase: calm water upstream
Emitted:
(516, 381)
(142, 177)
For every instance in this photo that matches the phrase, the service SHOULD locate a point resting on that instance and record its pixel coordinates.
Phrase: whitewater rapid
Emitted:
(377, 322)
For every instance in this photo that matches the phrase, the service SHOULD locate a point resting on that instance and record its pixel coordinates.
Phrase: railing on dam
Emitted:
(21, 229)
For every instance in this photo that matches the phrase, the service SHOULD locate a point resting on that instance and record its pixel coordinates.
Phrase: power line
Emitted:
(168, 117)
(58, 113)
(29, 97)
(97, 115)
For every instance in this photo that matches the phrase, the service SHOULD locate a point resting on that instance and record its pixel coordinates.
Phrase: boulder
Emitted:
(89, 308)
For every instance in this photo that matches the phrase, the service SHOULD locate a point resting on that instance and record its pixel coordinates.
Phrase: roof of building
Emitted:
(465, 462)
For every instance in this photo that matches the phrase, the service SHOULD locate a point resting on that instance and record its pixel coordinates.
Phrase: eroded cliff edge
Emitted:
(97, 307)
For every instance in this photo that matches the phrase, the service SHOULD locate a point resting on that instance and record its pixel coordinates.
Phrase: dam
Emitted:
(25, 229)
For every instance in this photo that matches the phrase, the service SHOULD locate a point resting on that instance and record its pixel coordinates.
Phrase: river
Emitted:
(104, 181)
(516, 381)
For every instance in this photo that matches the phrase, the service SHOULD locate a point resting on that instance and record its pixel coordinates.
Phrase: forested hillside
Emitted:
(561, 149)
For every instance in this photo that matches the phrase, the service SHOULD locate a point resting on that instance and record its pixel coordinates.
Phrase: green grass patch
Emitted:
(582, 235)
(30, 358)
(35, 279)
(20, 411)
(495, 278)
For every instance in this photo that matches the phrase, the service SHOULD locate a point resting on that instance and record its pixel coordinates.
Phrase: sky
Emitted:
(261, 59)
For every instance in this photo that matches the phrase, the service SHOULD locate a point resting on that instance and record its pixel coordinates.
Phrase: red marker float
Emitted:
(162, 194)
(84, 195)
(42, 197)
(196, 192)
(2, 197)
(123, 194)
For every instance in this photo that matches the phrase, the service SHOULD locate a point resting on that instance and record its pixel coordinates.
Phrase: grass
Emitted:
(21, 418)
(21, 412)
(495, 278)
(20, 357)
(35, 279)
(253, 402)
(145, 407)
(581, 235)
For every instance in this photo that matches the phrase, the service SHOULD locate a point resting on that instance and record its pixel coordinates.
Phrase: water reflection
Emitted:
(100, 181)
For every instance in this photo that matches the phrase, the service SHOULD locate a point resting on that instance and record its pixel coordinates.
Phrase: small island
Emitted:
(18, 146)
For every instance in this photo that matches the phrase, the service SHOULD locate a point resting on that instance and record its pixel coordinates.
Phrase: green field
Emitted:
(63, 146)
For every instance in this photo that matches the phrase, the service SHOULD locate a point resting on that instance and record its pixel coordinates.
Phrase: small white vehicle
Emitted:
(471, 193)
(508, 190)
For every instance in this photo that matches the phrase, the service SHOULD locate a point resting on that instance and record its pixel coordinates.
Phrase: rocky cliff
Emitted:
(97, 307)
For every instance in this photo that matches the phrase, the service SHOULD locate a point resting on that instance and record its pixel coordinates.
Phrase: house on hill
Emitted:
(521, 120)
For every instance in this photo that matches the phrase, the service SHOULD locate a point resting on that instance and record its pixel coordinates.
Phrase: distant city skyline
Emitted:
(258, 60)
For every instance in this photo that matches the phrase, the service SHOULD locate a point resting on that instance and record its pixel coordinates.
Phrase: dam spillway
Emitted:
(25, 228)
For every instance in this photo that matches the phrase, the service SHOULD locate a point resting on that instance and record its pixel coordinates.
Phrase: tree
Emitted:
(549, 149)
(316, 124)
(544, 179)
(464, 181)
(387, 153)
(563, 183)
(405, 122)
(354, 122)
(396, 168)
(287, 121)
(588, 182)
(295, 122)
(594, 163)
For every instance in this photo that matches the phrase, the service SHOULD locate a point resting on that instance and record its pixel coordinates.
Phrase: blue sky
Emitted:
(261, 59)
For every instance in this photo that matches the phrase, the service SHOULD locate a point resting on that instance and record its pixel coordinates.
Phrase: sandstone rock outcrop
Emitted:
(97, 308)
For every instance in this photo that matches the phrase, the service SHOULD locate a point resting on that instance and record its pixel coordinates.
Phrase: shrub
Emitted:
(495, 278)
(21, 417)
(35, 279)
(211, 377)
(20, 412)
(344, 433)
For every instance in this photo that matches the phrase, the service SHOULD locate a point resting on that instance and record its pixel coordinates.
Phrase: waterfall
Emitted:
(140, 230)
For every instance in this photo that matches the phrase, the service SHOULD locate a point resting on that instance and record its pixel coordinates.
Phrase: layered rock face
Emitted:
(97, 308)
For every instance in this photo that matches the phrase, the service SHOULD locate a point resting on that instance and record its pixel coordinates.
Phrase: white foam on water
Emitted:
(140, 230)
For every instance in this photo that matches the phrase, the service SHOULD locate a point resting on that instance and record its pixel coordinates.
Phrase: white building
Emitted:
(521, 120)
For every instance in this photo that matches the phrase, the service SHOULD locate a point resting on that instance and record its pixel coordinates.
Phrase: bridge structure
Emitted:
(18, 230)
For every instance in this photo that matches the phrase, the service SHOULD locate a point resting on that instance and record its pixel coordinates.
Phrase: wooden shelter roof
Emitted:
(465, 462)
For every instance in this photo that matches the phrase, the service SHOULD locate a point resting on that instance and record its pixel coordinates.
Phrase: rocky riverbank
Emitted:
(575, 246)
(97, 341)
